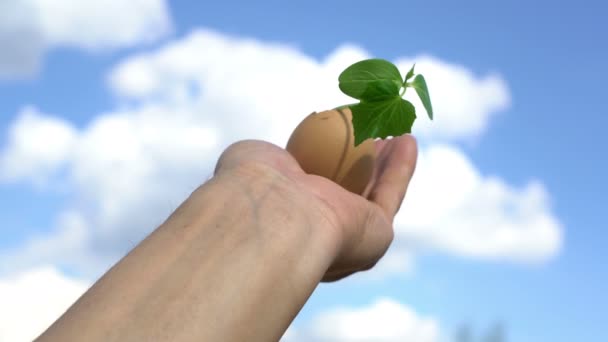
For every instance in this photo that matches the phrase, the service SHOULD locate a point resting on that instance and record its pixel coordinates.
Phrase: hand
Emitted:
(214, 274)
(364, 223)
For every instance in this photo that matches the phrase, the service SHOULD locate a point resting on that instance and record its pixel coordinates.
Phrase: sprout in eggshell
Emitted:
(339, 144)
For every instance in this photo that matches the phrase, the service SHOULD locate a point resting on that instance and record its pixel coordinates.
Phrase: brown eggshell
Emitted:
(323, 144)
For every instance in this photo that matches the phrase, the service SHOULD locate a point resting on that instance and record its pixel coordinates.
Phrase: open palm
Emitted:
(366, 220)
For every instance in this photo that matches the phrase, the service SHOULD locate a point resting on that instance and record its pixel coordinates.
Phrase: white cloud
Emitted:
(451, 207)
(29, 27)
(32, 300)
(385, 320)
(38, 144)
(463, 103)
(182, 104)
(128, 171)
(261, 96)
(276, 78)
(68, 244)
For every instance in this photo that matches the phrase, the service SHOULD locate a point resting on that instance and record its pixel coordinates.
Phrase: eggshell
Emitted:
(323, 144)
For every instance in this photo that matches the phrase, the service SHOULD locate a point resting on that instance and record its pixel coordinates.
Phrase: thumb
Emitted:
(397, 166)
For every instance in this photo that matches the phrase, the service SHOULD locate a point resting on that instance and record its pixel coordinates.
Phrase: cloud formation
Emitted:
(181, 105)
(39, 144)
(466, 213)
(32, 300)
(464, 103)
(385, 320)
(30, 27)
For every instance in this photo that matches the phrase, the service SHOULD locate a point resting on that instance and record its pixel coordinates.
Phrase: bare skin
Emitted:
(241, 256)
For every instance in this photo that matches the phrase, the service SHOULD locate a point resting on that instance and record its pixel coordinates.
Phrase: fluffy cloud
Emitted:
(32, 300)
(385, 320)
(68, 245)
(29, 27)
(465, 213)
(274, 79)
(128, 170)
(182, 104)
(38, 144)
(463, 103)
(261, 96)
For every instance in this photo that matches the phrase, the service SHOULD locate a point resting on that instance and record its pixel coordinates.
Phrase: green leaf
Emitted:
(409, 74)
(423, 93)
(367, 79)
(380, 119)
(380, 90)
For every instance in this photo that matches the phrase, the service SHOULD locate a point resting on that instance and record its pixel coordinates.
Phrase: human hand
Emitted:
(364, 222)
(238, 259)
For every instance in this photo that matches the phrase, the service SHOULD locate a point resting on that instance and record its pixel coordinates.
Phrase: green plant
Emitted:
(379, 87)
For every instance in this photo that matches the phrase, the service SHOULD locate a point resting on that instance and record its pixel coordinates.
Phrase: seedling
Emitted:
(336, 144)
(382, 111)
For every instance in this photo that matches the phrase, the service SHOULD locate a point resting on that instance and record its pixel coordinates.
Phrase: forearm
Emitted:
(235, 262)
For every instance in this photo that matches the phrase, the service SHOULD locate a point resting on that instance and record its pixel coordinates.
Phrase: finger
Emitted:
(381, 152)
(251, 150)
(396, 170)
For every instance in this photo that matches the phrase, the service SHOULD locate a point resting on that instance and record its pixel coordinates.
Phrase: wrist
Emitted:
(283, 241)
(261, 193)
(273, 193)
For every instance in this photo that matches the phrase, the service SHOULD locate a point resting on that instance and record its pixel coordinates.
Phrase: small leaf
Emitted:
(423, 93)
(380, 119)
(375, 74)
(409, 74)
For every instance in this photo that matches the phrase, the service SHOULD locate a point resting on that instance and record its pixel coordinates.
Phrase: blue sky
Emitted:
(552, 59)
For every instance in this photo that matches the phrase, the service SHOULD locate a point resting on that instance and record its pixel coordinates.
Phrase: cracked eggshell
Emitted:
(323, 144)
